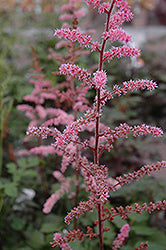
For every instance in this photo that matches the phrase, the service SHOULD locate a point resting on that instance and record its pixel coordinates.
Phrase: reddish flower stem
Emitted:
(96, 151)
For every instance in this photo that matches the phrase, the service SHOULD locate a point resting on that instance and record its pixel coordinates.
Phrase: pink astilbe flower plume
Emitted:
(79, 137)
(124, 233)
(76, 35)
(100, 79)
(119, 52)
(65, 188)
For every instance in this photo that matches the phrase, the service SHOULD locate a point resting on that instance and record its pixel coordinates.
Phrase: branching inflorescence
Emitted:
(68, 142)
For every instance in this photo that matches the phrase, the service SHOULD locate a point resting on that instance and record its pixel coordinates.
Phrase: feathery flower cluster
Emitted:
(124, 233)
(61, 117)
(70, 11)
(42, 132)
(102, 7)
(119, 18)
(60, 241)
(76, 72)
(124, 129)
(131, 86)
(117, 34)
(127, 178)
(65, 188)
(100, 79)
(119, 52)
(96, 179)
(76, 35)
(82, 208)
(69, 143)
(43, 150)
(123, 212)
(73, 35)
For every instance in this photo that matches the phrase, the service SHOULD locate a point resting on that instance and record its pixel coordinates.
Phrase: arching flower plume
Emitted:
(79, 137)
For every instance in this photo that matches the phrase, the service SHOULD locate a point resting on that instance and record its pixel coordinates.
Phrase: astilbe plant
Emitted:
(71, 145)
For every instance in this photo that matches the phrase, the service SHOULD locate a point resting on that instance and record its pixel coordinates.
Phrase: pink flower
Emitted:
(41, 111)
(119, 52)
(76, 72)
(73, 35)
(100, 79)
(118, 18)
(79, 13)
(117, 34)
(43, 150)
(57, 236)
(65, 188)
(124, 232)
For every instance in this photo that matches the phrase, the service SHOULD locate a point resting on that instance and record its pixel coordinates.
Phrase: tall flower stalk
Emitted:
(70, 143)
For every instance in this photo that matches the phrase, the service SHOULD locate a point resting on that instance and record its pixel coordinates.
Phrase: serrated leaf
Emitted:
(12, 168)
(22, 162)
(18, 223)
(28, 163)
(32, 162)
(11, 190)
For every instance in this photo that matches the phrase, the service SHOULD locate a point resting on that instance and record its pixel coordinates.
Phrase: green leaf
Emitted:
(89, 218)
(32, 162)
(159, 238)
(30, 173)
(22, 162)
(18, 223)
(139, 217)
(119, 222)
(109, 236)
(153, 246)
(143, 230)
(1, 185)
(36, 240)
(11, 190)
(28, 163)
(77, 245)
(12, 168)
(51, 227)
(16, 177)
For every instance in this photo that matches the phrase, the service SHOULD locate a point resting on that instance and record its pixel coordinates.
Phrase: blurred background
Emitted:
(22, 193)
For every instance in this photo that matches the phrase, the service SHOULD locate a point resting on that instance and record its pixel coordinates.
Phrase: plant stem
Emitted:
(100, 226)
(96, 151)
